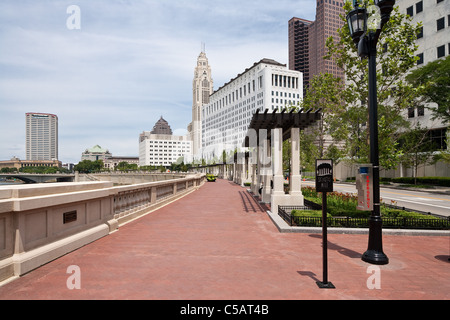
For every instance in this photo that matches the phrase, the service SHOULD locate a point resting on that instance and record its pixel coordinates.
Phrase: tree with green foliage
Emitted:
(348, 122)
(125, 166)
(433, 80)
(417, 148)
(88, 166)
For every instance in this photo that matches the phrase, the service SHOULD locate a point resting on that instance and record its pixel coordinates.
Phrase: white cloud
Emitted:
(131, 62)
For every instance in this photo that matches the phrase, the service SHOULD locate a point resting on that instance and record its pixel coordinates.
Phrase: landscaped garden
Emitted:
(342, 212)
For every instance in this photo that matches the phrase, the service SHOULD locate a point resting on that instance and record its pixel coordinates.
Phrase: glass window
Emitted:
(440, 23)
(419, 7)
(421, 111)
(410, 11)
(441, 51)
(420, 34)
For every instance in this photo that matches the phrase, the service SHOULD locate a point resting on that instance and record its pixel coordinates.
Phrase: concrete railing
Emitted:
(41, 222)
(123, 178)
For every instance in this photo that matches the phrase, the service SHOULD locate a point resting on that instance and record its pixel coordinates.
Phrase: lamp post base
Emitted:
(327, 285)
(375, 257)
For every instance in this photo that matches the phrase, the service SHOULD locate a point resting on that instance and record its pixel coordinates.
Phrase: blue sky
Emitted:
(130, 62)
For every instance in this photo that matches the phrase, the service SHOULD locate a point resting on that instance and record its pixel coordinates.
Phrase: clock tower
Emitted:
(202, 88)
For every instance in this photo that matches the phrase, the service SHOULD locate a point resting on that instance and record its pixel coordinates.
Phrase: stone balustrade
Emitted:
(41, 222)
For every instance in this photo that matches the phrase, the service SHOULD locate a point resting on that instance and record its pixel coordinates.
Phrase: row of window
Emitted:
(238, 94)
(440, 53)
(284, 81)
(168, 142)
(412, 112)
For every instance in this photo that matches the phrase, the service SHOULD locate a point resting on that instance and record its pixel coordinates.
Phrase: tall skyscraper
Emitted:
(299, 47)
(307, 40)
(41, 136)
(202, 88)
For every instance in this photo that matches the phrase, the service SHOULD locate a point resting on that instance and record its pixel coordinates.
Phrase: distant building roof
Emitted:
(97, 149)
(162, 127)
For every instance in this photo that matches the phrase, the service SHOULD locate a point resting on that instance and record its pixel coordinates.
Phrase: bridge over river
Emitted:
(38, 178)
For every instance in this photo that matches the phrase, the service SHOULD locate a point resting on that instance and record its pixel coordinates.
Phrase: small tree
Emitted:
(396, 56)
(433, 80)
(417, 149)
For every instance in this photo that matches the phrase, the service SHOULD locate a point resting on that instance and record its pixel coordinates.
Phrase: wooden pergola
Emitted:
(265, 137)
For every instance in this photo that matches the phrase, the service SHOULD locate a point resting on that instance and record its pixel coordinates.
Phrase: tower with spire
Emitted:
(202, 88)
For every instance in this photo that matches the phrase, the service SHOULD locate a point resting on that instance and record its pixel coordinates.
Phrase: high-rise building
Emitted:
(202, 88)
(299, 47)
(41, 136)
(307, 40)
(267, 85)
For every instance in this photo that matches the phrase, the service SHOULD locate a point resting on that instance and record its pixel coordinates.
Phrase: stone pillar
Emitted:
(253, 164)
(266, 170)
(278, 196)
(277, 161)
(295, 180)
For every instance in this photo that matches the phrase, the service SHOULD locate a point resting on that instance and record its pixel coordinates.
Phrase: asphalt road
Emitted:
(417, 200)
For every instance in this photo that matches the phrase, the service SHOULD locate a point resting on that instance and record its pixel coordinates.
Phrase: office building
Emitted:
(267, 85)
(41, 136)
(433, 43)
(160, 147)
(307, 40)
(299, 47)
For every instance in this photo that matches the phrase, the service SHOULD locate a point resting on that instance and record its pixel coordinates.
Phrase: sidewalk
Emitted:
(219, 244)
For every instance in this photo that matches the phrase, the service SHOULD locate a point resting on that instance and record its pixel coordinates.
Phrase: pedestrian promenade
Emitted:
(218, 243)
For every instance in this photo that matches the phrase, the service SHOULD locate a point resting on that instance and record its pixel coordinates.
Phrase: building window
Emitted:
(441, 51)
(420, 56)
(410, 11)
(440, 23)
(410, 113)
(420, 34)
(421, 111)
(419, 7)
(438, 139)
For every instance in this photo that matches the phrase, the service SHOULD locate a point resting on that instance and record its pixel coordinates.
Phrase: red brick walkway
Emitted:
(217, 243)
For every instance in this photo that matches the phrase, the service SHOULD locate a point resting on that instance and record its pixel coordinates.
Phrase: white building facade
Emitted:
(433, 43)
(267, 85)
(163, 150)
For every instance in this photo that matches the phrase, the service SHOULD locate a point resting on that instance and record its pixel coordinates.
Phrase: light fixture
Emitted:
(386, 7)
(357, 20)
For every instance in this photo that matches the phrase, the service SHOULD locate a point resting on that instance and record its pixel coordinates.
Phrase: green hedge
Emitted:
(437, 181)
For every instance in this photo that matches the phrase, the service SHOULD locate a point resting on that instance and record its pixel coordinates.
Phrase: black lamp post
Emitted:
(366, 41)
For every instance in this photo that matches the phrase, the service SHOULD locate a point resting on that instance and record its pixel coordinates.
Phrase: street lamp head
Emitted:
(357, 20)
(386, 7)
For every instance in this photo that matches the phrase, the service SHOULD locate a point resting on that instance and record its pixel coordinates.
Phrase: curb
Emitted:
(283, 227)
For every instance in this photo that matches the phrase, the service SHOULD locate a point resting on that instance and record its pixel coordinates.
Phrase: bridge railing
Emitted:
(132, 201)
(41, 222)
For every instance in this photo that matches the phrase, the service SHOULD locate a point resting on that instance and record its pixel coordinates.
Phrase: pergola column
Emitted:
(266, 170)
(295, 181)
(255, 170)
(277, 162)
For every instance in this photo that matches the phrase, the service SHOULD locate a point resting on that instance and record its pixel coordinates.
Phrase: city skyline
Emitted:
(127, 64)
